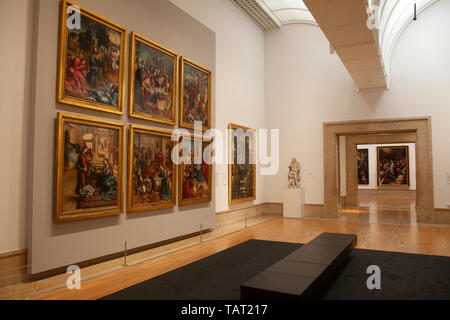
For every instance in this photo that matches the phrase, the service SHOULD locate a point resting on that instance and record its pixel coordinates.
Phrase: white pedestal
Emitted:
(293, 203)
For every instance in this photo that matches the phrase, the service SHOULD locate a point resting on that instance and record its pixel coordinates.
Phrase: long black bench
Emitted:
(303, 274)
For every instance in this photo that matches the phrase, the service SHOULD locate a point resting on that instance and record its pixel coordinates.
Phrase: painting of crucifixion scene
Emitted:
(91, 69)
(153, 85)
(90, 174)
(195, 86)
(151, 171)
(194, 173)
(241, 169)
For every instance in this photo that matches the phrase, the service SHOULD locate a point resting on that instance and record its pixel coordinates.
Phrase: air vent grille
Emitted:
(259, 13)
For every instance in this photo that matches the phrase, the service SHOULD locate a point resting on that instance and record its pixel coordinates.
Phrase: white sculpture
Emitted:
(294, 174)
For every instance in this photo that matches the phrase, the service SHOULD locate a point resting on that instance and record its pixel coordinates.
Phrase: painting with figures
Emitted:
(91, 62)
(153, 82)
(363, 166)
(195, 95)
(393, 166)
(151, 173)
(194, 173)
(242, 168)
(89, 167)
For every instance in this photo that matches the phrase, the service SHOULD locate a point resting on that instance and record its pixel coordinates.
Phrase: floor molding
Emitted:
(442, 215)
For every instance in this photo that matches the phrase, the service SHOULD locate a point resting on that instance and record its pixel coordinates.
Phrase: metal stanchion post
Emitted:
(201, 232)
(125, 256)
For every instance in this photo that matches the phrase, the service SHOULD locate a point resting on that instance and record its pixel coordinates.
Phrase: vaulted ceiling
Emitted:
(365, 52)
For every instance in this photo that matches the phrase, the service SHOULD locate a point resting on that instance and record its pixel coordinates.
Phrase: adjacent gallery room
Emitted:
(225, 150)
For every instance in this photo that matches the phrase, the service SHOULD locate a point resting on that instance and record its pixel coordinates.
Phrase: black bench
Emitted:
(303, 274)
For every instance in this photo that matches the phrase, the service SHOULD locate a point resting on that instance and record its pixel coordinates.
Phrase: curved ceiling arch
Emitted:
(394, 17)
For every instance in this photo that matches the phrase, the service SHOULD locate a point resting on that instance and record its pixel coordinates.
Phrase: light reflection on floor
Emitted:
(398, 210)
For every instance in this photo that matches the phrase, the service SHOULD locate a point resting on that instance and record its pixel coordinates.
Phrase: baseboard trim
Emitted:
(13, 267)
(442, 215)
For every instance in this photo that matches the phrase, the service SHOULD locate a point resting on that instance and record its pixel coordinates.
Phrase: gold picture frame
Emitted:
(235, 185)
(189, 93)
(81, 75)
(136, 184)
(388, 176)
(136, 38)
(83, 145)
(198, 183)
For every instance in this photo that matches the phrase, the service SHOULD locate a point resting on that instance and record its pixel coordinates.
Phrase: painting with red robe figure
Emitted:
(151, 173)
(393, 166)
(194, 184)
(195, 95)
(89, 167)
(91, 70)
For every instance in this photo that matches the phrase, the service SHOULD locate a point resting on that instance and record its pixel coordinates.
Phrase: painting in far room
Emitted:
(152, 86)
(195, 95)
(151, 173)
(363, 166)
(91, 62)
(241, 167)
(393, 166)
(195, 174)
(89, 168)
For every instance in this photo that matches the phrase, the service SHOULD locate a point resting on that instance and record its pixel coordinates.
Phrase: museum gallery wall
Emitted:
(97, 172)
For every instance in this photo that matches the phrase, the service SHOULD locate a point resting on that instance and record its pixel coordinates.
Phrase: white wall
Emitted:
(373, 175)
(14, 84)
(306, 86)
(239, 77)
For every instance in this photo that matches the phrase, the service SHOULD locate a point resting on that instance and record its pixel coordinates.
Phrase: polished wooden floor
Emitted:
(434, 240)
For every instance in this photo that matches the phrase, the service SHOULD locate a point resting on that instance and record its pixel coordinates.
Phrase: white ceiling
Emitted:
(343, 22)
(290, 11)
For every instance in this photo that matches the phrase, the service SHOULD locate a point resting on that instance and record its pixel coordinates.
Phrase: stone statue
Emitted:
(294, 174)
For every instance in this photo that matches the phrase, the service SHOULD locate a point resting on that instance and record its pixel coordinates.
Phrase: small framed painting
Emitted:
(89, 162)
(194, 173)
(153, 81)
(242, 165)
(393, 166)
(195, 95)
(91, 63)
(363, 166)
(151, 173)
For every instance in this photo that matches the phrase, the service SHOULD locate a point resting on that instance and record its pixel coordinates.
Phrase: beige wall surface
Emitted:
(239, 78)
(52, 245)
(306, 86)
(14, 121)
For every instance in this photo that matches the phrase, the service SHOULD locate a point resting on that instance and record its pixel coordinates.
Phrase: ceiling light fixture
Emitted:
(415, 11)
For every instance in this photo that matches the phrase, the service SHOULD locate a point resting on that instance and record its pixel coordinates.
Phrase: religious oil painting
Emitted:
(195, 95)
(89, 168)
(393, 166)
(151, 173)
(241, 167)
(362, 156)
(91, 61)
(195, 172)
(152, 85)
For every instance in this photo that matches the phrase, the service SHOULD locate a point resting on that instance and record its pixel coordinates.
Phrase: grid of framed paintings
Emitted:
(90, 153)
